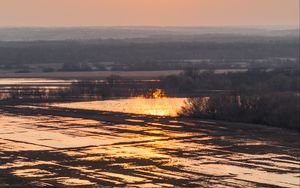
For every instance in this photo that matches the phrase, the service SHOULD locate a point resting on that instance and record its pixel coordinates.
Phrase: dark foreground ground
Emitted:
(54, 147)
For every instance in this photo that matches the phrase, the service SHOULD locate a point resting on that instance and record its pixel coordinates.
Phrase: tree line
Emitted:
(252, 81)
(77, 52)
(277, 109)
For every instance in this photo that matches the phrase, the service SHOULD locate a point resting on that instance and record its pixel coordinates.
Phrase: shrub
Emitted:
(280, 110)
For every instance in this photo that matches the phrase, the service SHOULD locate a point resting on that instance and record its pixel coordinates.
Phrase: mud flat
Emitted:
(44, 146)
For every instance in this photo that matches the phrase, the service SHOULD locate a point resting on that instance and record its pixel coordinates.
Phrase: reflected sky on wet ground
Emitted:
(93, 148)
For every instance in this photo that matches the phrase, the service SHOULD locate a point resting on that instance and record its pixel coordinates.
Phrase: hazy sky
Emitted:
(148, 12)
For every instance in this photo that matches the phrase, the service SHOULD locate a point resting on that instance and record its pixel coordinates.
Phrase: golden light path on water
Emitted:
(136, 151)
(156, 106)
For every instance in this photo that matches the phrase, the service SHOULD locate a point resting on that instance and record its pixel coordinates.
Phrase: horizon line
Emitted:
(148, 26)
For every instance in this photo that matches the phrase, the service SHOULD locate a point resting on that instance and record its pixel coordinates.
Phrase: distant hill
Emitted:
(178, 33)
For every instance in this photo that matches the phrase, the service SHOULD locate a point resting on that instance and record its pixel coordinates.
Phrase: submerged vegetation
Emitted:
(257, 96)
(261, 97)
(250, 82)
(112, 87)
(280, 110)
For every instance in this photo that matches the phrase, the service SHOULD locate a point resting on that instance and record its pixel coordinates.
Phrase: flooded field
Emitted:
(66, 147)
(32, 81)
(13, 84)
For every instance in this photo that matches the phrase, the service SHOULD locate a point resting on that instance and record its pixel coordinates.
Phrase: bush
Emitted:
(280, 110)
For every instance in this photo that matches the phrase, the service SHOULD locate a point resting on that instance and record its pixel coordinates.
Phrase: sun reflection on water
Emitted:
(160, 154)
(158, 106)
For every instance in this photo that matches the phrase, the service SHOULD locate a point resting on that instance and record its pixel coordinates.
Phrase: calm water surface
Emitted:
(159, 106)
(31, 81)
(54, 147)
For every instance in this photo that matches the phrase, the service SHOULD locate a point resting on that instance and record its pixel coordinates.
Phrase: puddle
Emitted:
(74, 182)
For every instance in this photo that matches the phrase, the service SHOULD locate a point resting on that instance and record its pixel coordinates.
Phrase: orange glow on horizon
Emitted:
(148, 12)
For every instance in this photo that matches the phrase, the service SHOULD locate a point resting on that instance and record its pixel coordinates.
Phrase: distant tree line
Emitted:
(189, 83)
(253, 81)
(78, 52)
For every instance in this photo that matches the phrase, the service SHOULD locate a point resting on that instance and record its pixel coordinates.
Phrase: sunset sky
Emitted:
(148, 12)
